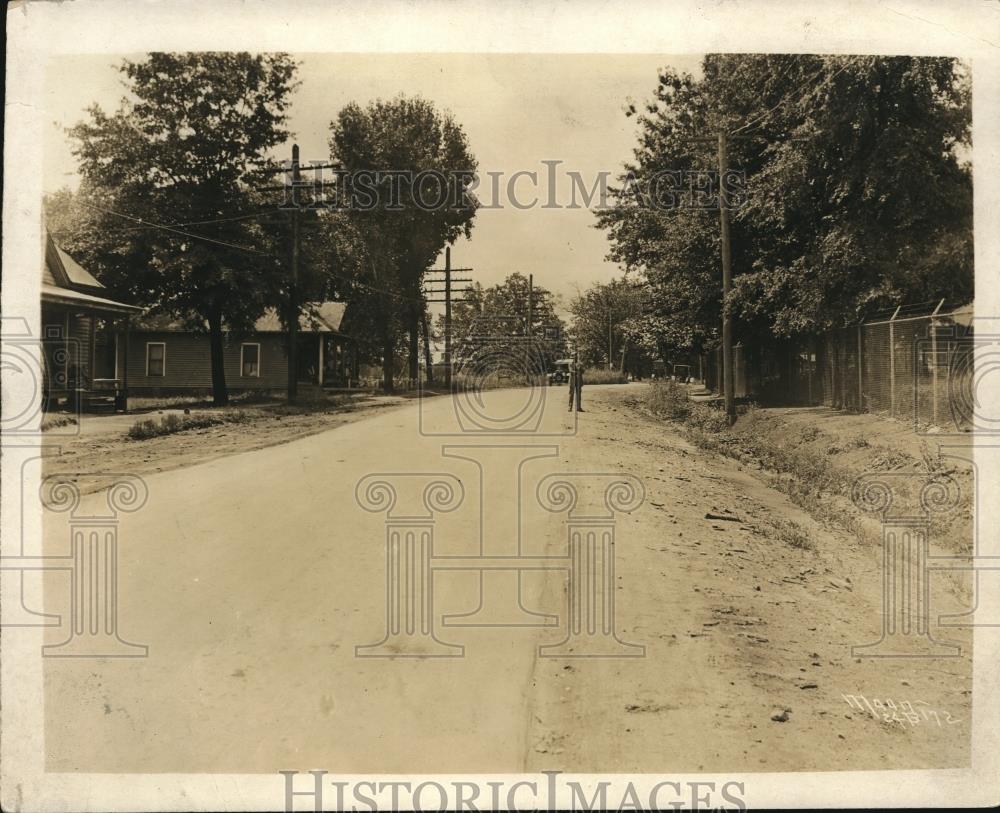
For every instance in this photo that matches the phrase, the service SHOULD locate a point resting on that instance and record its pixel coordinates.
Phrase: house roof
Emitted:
(961, 316)
(319, 317)
(78, 276)
(55, 295)
(66, 282)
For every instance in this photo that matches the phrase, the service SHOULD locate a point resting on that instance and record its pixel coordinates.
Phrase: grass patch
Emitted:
(310, 403)
(669, 400)
(786, 531)
(815, 470)
(171, 424)
(150, 403)
(56, 421)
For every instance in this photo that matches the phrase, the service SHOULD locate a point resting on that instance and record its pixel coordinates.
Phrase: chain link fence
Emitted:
(914, 368)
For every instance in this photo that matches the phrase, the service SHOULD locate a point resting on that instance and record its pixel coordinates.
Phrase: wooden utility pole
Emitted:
(447, 317)
(448, 301)
(728, 378)
(527, 327)
(447, 293)
(531, 303)
(610, 350)
(293, 284)
(428, 361)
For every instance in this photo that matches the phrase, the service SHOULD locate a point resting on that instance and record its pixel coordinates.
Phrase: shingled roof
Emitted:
(319, 317)
(66, 282)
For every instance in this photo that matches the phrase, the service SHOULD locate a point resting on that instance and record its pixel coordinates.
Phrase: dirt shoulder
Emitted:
(823, 459)
(748, 607)
(102, 444)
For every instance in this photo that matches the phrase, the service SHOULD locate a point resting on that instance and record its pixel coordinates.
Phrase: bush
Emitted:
(170, 424)
(668, 399)
(57, 421)
(600, 375)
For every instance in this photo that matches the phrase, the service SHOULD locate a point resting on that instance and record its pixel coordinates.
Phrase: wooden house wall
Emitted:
(188, 363)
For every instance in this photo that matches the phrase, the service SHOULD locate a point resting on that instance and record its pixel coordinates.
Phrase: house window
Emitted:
(250, 360)
(156, 358)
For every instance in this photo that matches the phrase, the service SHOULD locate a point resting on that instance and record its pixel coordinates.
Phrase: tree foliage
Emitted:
(611, 326)
(494, 321)
(856, 194)
(412, 146)
(186, 147)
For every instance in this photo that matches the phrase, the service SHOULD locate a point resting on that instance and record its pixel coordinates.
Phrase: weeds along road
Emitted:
(253, 577)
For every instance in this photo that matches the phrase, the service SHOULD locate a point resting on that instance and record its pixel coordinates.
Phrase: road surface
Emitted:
(253, 578)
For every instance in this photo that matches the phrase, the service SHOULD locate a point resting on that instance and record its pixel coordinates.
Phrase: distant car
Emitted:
(560, 375)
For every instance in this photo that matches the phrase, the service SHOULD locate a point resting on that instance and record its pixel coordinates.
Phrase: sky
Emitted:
(517, 110)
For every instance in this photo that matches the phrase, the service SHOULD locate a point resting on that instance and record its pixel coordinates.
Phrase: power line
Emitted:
(150, 224)
(788, 96)
(162, 227)
(252, 216)
(130, 229)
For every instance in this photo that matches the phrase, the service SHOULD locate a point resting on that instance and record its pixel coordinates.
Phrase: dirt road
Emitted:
(253, 577)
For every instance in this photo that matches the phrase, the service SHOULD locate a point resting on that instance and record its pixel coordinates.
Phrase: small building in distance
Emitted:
(84, 336)
(167, 357)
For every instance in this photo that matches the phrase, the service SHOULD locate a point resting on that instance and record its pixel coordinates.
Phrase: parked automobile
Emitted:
(560, 373)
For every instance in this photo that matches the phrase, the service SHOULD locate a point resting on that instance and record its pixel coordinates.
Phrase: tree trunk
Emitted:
(413, 328)
(428, 361)
(220, 394)
(388, 346)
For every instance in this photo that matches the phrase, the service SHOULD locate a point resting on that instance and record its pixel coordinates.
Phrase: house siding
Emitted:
(188, 363)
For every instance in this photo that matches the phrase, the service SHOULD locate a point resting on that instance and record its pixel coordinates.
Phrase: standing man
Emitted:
(576, 384)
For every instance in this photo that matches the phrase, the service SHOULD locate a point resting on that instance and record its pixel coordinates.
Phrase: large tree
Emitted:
(856, 195)
(186, 146)
(400, 158)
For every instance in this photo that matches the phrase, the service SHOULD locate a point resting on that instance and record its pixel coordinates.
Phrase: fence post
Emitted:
(810, 354)
(892, 362)
(934, 365)
(861, 376)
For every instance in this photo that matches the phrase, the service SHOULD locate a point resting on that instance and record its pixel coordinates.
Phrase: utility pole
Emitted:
(447, 292)
(610, 350)
(531, 304)
(293, 284)
(728, 377)
(447, 317)
(527, 330)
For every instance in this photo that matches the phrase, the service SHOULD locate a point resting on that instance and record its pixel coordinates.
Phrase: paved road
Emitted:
(253, 578)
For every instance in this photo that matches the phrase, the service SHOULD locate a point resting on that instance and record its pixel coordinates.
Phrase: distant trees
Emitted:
(493, 321)
(413, 163)
(184, 147)
(611, 325)
(857, 196)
